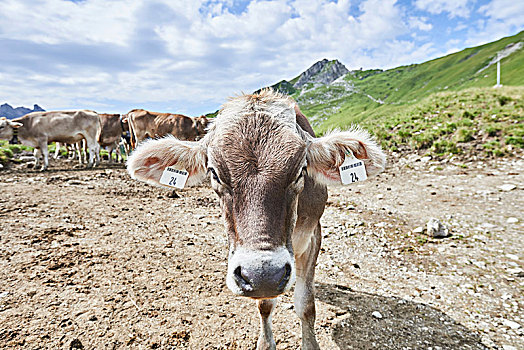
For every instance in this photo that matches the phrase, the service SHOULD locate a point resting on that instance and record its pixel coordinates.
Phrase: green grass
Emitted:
(8, 152)
(473, 120)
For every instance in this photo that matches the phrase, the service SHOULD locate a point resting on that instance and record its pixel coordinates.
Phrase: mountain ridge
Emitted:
(353, 96)
(6, 110)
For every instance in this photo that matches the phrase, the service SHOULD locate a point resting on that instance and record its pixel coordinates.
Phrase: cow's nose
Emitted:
(269, 281)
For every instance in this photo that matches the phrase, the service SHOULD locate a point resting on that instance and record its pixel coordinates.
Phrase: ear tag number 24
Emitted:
(352, 170)
(174, 177)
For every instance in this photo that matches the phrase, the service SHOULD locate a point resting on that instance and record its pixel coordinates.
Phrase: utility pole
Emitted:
(498, 71)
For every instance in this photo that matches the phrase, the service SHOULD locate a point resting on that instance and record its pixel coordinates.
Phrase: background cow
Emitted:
(270, 173)
(145, 124)
(37, 129)
(111, 135)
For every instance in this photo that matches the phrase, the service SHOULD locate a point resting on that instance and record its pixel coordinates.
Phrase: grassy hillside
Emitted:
(476, 121)
(364, 94)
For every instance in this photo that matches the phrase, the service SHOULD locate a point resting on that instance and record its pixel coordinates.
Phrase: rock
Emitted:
(515, 271)
(507, 187)
(425, 159)
(510, 324)
(435, 228)
(512, 256)
(26, 159)
(287, 306)
(1, 166)
(3, 294)
(512, 220)
(380, 196)
(76, 344)
(376, 314)
(419, 229)
(323, 72)
(508, 347)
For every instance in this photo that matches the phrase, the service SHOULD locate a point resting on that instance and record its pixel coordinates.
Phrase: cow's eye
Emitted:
(214, 173)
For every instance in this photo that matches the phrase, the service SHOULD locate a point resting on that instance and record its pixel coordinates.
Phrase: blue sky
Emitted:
(189, 56)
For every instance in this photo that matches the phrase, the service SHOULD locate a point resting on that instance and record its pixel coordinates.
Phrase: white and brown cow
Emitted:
(112, 130)
(270, 173)
(37, 129)
(146, 124)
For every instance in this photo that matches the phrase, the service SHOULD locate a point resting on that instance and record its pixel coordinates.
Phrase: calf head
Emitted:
(257, 157)
(7, 128)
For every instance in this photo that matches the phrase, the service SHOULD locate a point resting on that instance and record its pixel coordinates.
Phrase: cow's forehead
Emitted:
(267, 102)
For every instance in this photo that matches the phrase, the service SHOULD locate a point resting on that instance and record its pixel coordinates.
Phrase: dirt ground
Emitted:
(92, 259)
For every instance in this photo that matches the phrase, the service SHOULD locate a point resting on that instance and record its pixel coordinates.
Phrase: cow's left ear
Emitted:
(326, 154)
(149, 160)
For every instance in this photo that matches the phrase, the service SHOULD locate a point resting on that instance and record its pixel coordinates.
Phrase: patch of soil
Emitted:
(92, 259)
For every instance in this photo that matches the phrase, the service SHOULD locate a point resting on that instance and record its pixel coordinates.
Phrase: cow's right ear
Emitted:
(15, 125)
(149, 159)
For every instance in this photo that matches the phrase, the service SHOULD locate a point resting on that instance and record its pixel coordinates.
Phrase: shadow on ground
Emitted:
(404, 324)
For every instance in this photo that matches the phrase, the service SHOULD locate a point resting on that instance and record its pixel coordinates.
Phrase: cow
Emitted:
(37, 129)
(78, 148)
(112, 129)
(145, 124)
(270, 173)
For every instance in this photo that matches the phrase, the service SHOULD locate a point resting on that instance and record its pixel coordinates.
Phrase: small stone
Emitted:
(436, 229)
(511, 324)
(479, 264)
(507, 187)
(512, 220)
(376, 314)
(380, 196)
(287, 306)
(25, 159)
(76, 344)
(419, 229)
(425, 159)
(3, 294)
(512, 256)
(508, 347)
(515, 271)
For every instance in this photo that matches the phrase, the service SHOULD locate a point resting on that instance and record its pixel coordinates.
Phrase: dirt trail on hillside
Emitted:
(92, 259)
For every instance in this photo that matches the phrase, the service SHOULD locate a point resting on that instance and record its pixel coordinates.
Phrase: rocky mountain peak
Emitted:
(322, 72)
(10, 113)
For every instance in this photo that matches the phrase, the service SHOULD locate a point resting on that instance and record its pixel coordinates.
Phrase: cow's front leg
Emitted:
(45, 154)
(305, 291)
(265, 340)
(37, 154)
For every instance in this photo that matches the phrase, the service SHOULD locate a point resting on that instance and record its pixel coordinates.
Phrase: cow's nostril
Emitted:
(285, 277)
(241, 281)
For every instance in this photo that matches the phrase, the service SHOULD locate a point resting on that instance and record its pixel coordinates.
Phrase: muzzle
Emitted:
(260, 274)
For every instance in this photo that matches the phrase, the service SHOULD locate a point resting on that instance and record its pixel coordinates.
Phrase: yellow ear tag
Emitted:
(352, 170)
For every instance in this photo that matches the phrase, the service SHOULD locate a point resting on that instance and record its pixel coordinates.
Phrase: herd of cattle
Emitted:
(82, 129)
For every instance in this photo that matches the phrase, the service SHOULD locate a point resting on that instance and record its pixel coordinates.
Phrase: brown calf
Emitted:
(270, 173)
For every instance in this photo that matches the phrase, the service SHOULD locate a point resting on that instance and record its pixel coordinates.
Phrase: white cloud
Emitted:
(508, 11)
(190, 55)
(455, 8)
(501, 18)
(420, 23)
